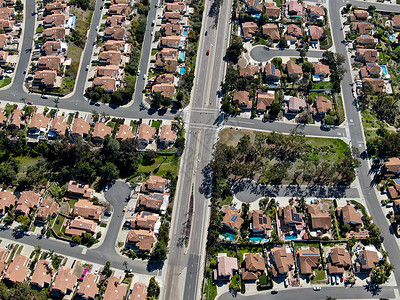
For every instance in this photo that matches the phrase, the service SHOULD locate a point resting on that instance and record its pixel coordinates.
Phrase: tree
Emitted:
(282, 43)
(156, 101)
(275, 109)
(107, 269)
(307, 67)
(76, 239)
(159, 253)
(235, 49)
(153, 290)
(109, 172)
(367, 88)
(179, 96)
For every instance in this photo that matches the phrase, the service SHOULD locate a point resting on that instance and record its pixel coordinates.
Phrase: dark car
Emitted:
(274, 292)
(325, 127)
(208, 52)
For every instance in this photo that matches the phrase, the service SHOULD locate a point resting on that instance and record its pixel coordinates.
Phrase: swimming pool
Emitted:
(384, 69)
(185, 31)
(291, 236)
(258, 240)
(393, 39)
(182, 57)
(273, 85)
(182, 70)
(257, 16)
(229, 236)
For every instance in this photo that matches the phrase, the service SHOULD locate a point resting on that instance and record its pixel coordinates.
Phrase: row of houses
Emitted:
(293, 225)
(169, 60)
(151, 202)
(56, 23)
(281, 261)
(114, 53)
(63, 282)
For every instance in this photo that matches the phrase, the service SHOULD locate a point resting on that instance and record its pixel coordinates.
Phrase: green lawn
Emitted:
(4, 82)
(298, 245)
(58, 224)
(210, 289)
(72, 202)
(156, 124)
(319, 275)
(322, 85)
(26, 161)
(162, 166)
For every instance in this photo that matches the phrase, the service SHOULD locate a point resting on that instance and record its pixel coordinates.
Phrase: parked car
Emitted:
(29, 103)
(96, 271)
(286, 283)
(208, 52)
(25, 70)
(333, 280)
(274, 292)
(43, 96)
(87, 67)
(27, 233)
(337, 279)
(316, 288)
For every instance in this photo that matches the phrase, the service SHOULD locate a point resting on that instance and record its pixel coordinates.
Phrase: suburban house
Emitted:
(254, 6)
(100, 131)
(168, 65)
(115, 20)
(58, 127)
(124, 132)
(144, 220)
(110, 58)
(396, 21)
(226, 267)
(47, 208)
(377, 84)
(315, 12)
(359, 15)
(232, 219)
(254, 266)
(17, 119)
(17, 270)
(146, 135)
(65, 282)
(290, 216)
(365, 39)
(260, 223)
(271, 30)
(80, 128)
(112, 45)
(371, 70)
(362, 27)
(320, 219)
(339, 260)
(171, 29)
(117, 33)
(107, 83)
(367, 259)
(165, 78)
(175, 6)
(39, 123)
(394, 190)
(294, 70)
(264, 100)
(43, 274)
(321, 71)
(87, 209)
(140, 239)
(167, 136)
(249, 29)
(271, 73)
(293, 32)
(316, 33)
(155, 184)
(166, 89)
(282, 260)
(272, 11)
(322, 105)
(391, 167)
(119, 9)
(53, 48)
(3, 259)
(115, 289)
(243, 100)
(149, 203)
(294, 8)
(348, 215)
(26, 202)
(139, 291)
(52, 62)
(54, 34)
(170, 41)
(366, 55)
(308, 258)
(79, 189)
(79, 226)
(7, 201)
(249, 71)
(295, 104)
(88, 288)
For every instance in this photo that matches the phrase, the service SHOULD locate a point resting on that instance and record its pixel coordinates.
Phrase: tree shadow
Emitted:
(154, 265)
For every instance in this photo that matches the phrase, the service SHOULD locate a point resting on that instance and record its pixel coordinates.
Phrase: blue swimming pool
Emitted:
(257, 16)
(393, 39)
(291, 236)
(182, 55)
(182, 70)
(229, 236)
(185, 31)
(258, 240)
(273, 85)
(384, 69)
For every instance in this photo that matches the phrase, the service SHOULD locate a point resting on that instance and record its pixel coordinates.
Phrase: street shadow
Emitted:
(374, 289)
(206, 186)
(162, 111)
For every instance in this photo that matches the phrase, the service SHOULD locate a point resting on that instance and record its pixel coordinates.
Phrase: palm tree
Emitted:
(56, 100)
(23, 99)
(125, 264)
(37, 249)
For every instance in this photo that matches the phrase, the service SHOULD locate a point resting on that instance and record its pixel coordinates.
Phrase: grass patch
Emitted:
(319, 275)
(278, 2)
(104, 225)
(4, 82)
(298, 245)
(226, 201)
(58, 224)
(322, 85)
(72, 202)
(27, 161)
(210, 289)
(161, 166)
(156, 124)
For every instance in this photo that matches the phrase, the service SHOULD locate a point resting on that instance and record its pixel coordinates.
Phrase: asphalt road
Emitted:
(309, 130)
(303, 293)
(262, 54)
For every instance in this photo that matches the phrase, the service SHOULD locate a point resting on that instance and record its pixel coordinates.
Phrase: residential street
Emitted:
(358, 292)
(262, 54)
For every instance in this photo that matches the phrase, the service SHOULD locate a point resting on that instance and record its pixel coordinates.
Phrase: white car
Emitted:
(316, 288)
(27, 233)
(333, 280)
(96, 271)
(337, 279)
